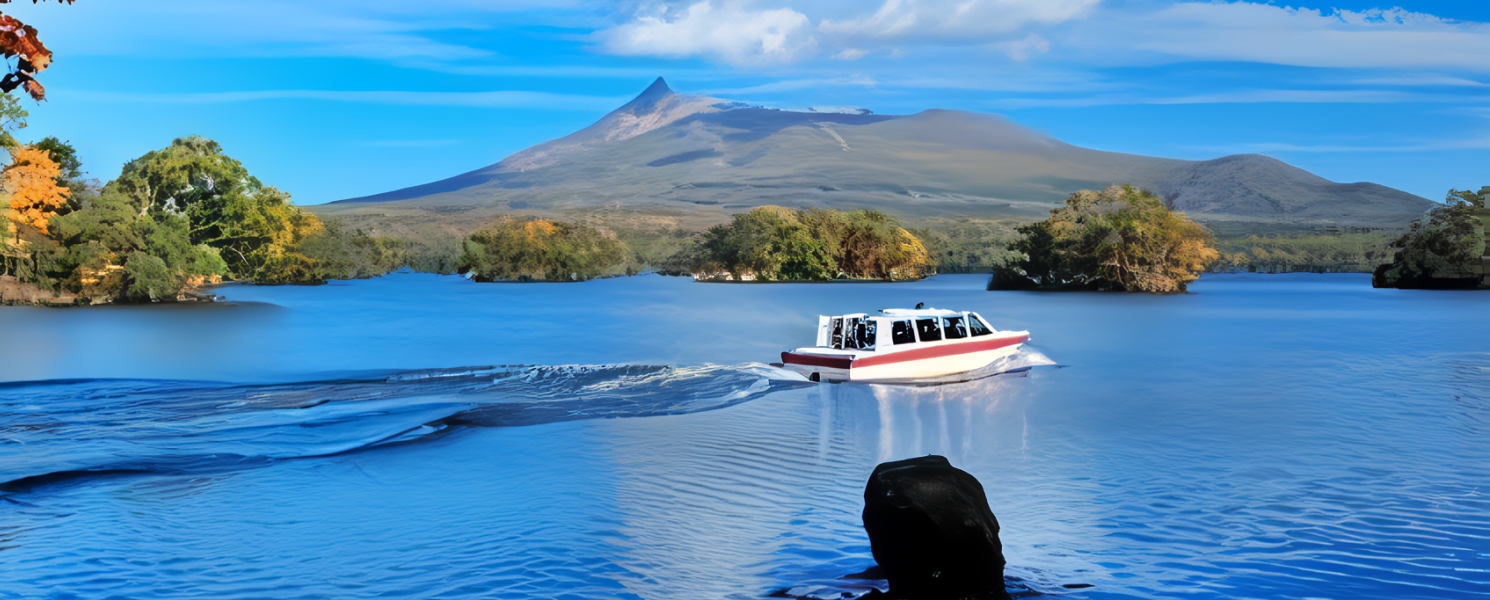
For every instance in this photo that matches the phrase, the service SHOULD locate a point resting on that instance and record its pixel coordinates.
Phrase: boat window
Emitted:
(927, 330)
(978, 327)
(954, 328)
(865, 332)
(900, 333)
(837, 339)
(851, 333)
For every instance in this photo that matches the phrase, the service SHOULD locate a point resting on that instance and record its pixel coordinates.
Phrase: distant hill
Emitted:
(693, 160)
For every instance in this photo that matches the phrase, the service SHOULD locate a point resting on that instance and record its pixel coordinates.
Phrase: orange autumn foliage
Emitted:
(18, 39)
(31, 180)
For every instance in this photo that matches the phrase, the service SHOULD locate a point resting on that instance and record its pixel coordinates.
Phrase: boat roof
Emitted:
(906, 313)
(920, 312)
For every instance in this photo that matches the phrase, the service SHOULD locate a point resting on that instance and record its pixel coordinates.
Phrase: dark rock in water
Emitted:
(932, 532)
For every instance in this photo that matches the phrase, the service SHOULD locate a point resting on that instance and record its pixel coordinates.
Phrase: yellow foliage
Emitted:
(538, 231)
(918, 260)
(31, 180)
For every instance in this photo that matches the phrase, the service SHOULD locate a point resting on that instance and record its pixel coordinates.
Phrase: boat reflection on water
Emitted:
(978, 423)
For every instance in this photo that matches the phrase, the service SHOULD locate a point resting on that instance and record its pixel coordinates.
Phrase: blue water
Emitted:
(1298, 436)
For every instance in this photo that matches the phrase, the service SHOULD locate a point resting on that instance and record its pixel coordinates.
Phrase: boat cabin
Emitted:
(897, 327)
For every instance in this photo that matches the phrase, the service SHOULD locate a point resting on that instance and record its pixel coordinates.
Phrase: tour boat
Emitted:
(901, 344)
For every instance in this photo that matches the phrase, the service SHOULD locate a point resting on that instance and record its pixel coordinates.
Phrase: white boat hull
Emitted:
(936, 360)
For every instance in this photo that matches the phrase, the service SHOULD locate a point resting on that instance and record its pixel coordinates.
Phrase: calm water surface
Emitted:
(1300, 436)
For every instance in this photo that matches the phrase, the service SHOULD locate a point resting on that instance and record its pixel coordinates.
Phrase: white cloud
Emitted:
(1266, 33)
(732, 30)
(1135, 32)
(954, 21)
(1422, 80)
(1474, 143)
(1021, 50)
(851, 54)
(1234, 97)
(788, 85)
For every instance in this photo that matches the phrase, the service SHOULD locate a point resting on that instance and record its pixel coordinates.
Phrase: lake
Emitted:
(1264, 436)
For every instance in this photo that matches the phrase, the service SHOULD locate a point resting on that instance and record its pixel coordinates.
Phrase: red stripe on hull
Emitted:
(812, 360)
(938, 351)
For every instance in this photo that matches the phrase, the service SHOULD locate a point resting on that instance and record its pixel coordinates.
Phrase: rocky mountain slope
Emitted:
(694, 160)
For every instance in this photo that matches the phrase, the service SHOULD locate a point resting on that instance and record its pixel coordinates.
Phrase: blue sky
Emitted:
(336, 99)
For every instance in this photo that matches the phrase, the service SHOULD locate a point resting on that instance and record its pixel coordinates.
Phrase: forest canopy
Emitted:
(1117, 239)
(541, 250)
(174, 219)
(1443, 249)
(772, 243)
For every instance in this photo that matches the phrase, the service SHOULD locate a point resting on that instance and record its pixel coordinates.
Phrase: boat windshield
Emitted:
(927, 330)
(978, 327)
(837, 340)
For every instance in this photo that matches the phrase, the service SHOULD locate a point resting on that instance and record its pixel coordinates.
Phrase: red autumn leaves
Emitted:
(19, 40)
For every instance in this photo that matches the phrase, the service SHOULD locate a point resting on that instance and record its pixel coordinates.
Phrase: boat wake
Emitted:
(56, 431)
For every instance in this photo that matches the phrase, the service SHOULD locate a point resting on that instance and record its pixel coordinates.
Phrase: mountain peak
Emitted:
(658, 88)
(649, 98)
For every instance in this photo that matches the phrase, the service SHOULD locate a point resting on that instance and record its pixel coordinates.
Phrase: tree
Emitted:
(340, 253)
(19, 40)
(774, 243)
(12, 118)
(540, 249)
(253, 225)
(1441, 249)
(113, 253)
(31, 180)
(64, 155)
(1120, 239)
(71, 177)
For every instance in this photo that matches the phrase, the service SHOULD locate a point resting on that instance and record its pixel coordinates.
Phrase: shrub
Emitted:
(1119, 239)
(1442, 248)
(773, 243)
(539, 249)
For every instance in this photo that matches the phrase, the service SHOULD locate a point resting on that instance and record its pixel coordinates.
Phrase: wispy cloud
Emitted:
(789, 85)
(1475, 143)
(497, 99)
(1235, 97)
(341, 28)
(1272, 34)
(943, 22)
(1138, 32)
(1421, 81)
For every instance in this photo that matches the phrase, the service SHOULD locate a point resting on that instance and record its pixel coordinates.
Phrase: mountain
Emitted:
(693, 160)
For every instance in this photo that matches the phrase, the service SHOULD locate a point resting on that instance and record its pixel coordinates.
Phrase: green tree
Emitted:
(340, 253)
(539, 249)
(12, 119)
(1120, 239)
(71, 176)
(772, 243)
(113, 253)
(64, 155)
(1442, 248)
(253, 225)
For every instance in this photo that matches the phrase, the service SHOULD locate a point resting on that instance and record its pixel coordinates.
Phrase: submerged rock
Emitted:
(932, 532)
